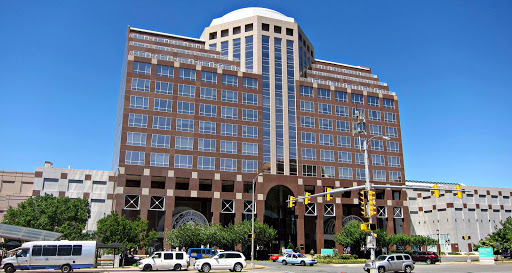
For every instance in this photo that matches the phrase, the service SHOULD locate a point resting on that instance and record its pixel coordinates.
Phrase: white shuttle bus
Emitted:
(63, 255)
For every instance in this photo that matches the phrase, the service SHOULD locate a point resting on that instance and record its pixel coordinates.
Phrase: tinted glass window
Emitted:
(233, 255)
(399, 258)
(37, 250)
(391, 258)
(77, 250)
(195, 251)
(168, 256)
(64, 250)
(179, 256)
(49, 250)
(222, 256)
(407, 257)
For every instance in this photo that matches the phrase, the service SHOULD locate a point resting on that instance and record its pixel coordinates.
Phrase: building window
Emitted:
(326, 140)
(382, 212)
(137, 102)
(250, 83)
(374, 115)
(208, 93)
(183, 161)
(395, 176)
(307, 106)
(328, 171)
(388, 103)
(306, 91)
(378, 160)
(249, 53)
(187, 74)
(227, 129)
(345, 157)
(357, 98)
(163, 105)
(228, 147)
(229, 80)
(207, 127)
(397, 212)
(359, 158)
(342, 126)
(360, 174)
(308, 154)
(159, 160)
(209, 77)
(236, 47)
(207, 110)
(131, 202)
(249, 131)
(137, 120)
(160, 141)
(247, 207)
(228, 164)
(326, 155)
(249, 99)
(373, 101)
(163, 88)
(308, 170)
(162, 123)
(357, 112)
(185, 107)
(265, 27)
(249, 115)
(324, 108)
(345, 173)
(341, 111)
(324, 93)
(310, 209)
(344, 141)
(230, 96)
(185, 90)
(157, 203)
(228, 206)
(377, 145)
(358, 143)
(390, 117)
(375, 130)
(308, 138)
(165, 71)
(184, 143)
(379, 175)
(307, 122)
(134, 158)
(249, 166)
(136, 139)
(205, 163)
(325, 124)
(206, 145)
(340, 96)
(393, 161)
(229, 112)
(391, 132)
(249, 148)
(184, 125)
(140, 84)
(224, 48)
(329, 210)
(142, 68)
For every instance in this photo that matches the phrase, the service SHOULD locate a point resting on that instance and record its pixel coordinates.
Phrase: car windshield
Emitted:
(381, 258)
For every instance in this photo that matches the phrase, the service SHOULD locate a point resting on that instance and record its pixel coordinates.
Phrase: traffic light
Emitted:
(372, 208)
(249, 236)
(328, 197)
(368, 227)
(435, 192)
(466, 237)
(458, 191)
(362, 202)
(291, 203)
(306, 200)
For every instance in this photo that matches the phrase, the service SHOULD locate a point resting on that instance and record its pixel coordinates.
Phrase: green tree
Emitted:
(383, 239)
(117, 229)
(351, 236)
(400, 240)
(502, 235)
(47, 212)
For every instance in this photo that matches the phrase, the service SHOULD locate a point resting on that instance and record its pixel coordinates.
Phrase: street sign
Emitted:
(371, 242)
(486, 255)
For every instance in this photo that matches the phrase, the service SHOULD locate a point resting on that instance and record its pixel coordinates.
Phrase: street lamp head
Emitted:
(437, 231)
(386, 138)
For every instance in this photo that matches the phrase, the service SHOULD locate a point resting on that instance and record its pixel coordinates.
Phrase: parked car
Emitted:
(506, 254)
(234, 261)
(165, 260)
(275, 257)
(392, 262)
(425, 256)
(297, 258)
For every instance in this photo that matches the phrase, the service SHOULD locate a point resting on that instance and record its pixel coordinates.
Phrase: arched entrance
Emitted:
(280, 217)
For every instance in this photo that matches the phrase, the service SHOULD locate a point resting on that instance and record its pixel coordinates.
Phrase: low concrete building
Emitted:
(96, 186)
(15, 188)
(449, 218)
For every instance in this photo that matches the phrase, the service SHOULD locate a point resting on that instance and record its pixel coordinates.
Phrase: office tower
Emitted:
(199, 119)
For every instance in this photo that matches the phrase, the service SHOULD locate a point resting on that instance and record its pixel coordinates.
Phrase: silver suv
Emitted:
(392, 262)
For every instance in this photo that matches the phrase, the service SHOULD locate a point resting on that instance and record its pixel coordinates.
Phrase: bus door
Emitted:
(22, 257)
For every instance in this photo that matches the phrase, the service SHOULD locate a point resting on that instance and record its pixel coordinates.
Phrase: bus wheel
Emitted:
(9, 268)
(66, 268)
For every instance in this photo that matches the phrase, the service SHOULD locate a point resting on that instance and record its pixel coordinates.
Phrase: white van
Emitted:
(63, 255)
(165, 260)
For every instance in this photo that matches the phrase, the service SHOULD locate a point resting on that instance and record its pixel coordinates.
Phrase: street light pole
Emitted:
(253, 208)
(438, 244)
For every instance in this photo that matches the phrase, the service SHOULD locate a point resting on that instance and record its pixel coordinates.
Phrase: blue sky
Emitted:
(448, 61)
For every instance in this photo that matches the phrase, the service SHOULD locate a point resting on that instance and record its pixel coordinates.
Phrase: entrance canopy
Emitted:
(27, 234)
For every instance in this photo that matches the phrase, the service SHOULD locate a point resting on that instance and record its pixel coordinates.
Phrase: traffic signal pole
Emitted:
(368, 187)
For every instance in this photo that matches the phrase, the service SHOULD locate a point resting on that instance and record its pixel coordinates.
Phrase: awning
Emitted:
(27, 234)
